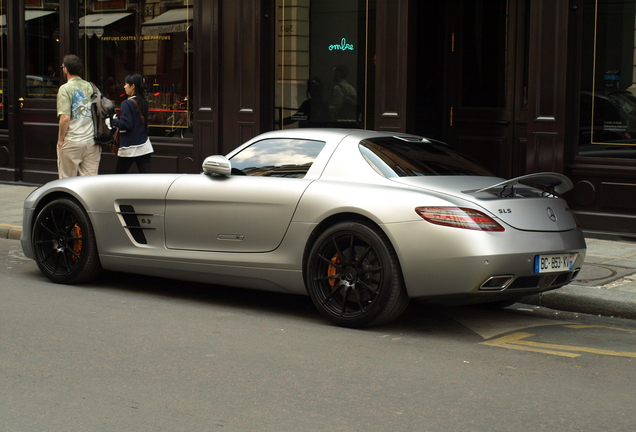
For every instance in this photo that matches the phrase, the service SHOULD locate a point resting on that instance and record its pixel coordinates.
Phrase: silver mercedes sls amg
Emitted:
(361, 221)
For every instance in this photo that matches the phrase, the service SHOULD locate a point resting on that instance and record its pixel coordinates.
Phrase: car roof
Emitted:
(329, 133)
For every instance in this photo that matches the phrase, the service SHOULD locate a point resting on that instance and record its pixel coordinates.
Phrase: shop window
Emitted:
(3, 65)
(324, 64)
(484, 55)
(120, 37)
(607, 125)
(42, 36)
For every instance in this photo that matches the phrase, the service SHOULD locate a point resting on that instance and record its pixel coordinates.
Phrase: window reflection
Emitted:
(324, 63)
(395, 157)
(43, 52)
(277, 158)
(120, 38)
(3, 64)
(608, 84)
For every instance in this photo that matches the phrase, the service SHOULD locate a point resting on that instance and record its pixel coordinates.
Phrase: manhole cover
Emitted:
(601, 274)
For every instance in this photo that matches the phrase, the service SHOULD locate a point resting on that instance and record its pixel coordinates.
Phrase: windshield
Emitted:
(396, 157)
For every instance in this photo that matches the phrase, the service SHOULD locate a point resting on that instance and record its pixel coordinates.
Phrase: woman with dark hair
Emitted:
(134, 145)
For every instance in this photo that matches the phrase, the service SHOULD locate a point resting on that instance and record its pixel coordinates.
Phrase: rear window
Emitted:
(401, 157)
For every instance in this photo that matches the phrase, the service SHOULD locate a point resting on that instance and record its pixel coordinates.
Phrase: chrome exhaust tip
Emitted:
(497, 283)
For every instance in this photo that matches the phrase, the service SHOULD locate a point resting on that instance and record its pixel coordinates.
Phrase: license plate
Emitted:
(554, 263)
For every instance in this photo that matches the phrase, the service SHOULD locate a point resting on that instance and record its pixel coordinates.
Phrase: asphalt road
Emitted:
(136, 353)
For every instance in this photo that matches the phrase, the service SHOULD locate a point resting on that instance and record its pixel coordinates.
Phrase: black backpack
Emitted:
(102, 108)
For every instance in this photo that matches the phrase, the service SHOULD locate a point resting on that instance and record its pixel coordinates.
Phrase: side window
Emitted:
(278, 157)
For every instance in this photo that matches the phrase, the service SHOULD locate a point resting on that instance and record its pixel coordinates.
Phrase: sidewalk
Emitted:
(11, 199)
(606, 284)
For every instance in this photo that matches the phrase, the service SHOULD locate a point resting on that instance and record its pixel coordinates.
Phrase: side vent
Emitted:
(131, 219)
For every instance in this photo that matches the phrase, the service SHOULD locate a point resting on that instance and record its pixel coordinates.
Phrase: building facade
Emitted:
(521, 85)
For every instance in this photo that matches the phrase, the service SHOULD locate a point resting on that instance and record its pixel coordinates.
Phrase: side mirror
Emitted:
(217, 165)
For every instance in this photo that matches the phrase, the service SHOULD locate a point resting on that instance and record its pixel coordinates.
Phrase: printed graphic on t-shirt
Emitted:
(80, 107)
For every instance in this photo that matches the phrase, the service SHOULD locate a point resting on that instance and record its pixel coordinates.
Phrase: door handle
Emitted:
(21, 102)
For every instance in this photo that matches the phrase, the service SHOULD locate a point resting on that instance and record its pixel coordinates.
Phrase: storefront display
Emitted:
(608, 82)
(325, 52)
(118, 40)
(3, 67)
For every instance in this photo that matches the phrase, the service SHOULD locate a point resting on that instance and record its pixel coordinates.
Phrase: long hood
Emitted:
(515, 204)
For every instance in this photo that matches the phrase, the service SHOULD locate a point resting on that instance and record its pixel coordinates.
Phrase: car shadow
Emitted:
(419, 319)
(241, 298)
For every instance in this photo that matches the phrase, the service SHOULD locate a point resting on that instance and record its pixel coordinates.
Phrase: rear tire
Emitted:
(353, 276)
(64, 243)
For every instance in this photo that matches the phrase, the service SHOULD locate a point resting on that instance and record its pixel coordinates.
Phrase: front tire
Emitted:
(353, 276)
(64, 243)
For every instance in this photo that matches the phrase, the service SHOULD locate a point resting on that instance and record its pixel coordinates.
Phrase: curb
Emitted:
(594, 301)
(10, 233)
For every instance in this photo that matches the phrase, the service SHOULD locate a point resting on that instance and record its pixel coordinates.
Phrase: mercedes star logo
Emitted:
(552, 215)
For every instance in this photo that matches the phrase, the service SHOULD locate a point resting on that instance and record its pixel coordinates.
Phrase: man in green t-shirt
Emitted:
(76, 149)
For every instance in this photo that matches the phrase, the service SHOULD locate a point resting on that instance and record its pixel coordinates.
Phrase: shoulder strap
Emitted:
(143, 119)
(95, 90)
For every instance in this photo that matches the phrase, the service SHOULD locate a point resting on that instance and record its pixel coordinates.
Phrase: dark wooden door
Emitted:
(485, 82)
(37, 71)
(245, 72)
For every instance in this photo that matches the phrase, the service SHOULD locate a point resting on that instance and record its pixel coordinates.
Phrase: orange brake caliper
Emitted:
(332, 270)
(77, 244)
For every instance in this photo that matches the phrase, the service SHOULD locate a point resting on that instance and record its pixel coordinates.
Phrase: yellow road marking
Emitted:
(512, 341)
(522, 348)
(10, 226)
(515, 341)
(580, 349)
(583, 326)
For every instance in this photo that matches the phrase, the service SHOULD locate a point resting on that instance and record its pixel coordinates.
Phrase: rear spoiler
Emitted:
(550, 180)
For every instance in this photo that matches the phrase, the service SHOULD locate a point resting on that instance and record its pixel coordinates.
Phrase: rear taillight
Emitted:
(459, 218)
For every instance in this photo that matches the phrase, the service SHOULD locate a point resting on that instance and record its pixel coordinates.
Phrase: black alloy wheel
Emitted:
(64, 243)
(353, 276)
